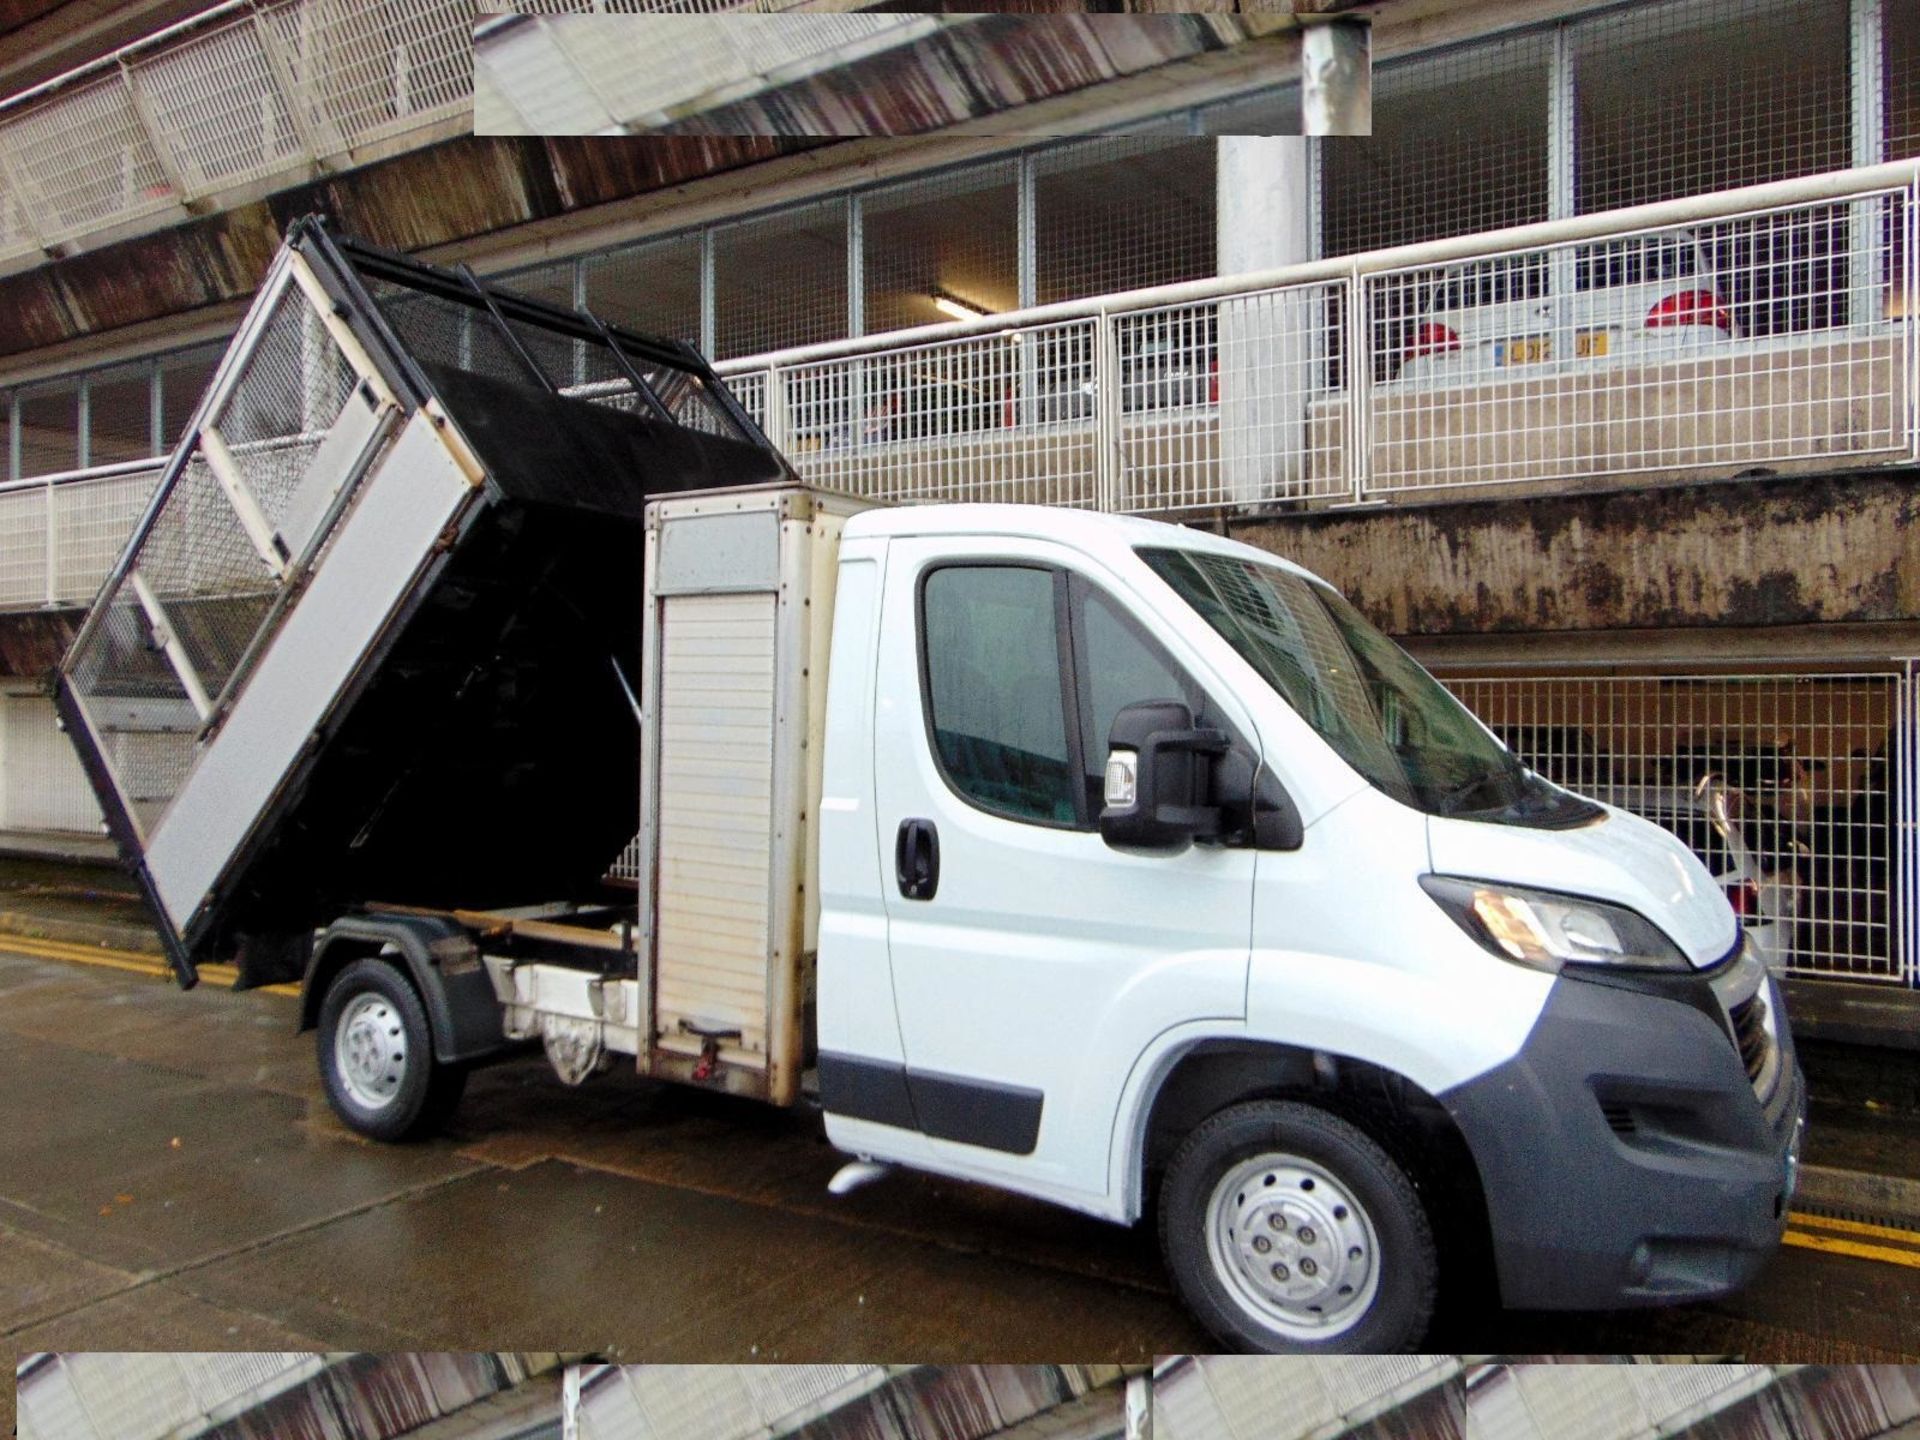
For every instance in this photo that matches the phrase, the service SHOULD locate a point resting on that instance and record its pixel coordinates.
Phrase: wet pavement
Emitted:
(170, 1176)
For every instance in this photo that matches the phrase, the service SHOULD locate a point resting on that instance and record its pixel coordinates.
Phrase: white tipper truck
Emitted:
(1087, 857)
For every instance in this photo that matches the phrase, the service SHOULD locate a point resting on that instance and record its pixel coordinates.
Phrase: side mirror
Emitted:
(1157, 771)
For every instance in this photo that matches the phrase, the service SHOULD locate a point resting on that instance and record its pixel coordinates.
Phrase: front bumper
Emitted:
(1625, 1155)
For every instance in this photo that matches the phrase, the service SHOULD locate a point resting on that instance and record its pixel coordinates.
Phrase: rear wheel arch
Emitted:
(461, 1010)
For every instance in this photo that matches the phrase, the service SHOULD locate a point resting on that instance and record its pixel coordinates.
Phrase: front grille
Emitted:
(1619, 1119)
(1749, 1020)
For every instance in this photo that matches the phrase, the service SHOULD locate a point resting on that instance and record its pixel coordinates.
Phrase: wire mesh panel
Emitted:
(1234, 402)
(84, 159)
(1120, 213)
(940, 248)
(372, 68)
(1900, 26)
(1783, 784)
(120, 415)
(715, 1402)
(216, 104)
(91, 520)
(653, 287)
(195, 595)
(781, 280)
(1221, 1397)
(1682, 97)
(1459, 144)
(23, 558)
(1727, 344)
(1009, 416)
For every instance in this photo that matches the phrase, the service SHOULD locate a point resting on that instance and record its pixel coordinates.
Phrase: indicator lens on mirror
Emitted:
(1122, 777)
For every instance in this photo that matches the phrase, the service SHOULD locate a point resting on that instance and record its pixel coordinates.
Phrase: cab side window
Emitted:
(996, 707)
(1118, 667)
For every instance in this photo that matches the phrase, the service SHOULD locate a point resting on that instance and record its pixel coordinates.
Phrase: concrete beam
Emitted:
(1746, 553)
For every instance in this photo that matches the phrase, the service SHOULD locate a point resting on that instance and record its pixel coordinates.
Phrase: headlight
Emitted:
(1545, 930)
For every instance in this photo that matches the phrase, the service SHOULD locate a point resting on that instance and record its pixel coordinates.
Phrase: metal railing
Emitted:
(242, 94)
(60, 534)
(1745, 331)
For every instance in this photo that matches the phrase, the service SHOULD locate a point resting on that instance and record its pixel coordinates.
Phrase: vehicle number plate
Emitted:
(1532, 349)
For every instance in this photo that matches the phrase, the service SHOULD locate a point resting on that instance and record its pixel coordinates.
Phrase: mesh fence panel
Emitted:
(1120, 213)
(652, 287)
(85, 159)
(90, 524)
(938, 421)
(781, 280)
(1687, 96)
(1458, 145)
(23, 569)
(1798, 800)
(217, 102)
(951, 238)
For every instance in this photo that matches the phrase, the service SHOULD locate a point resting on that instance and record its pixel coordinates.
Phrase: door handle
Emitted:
(916, 859)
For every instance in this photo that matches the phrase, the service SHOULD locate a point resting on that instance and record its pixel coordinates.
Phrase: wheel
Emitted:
(376, 1055)
(1287, 1229)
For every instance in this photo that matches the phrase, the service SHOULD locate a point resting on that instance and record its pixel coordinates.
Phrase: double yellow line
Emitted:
(132, 962)
(1888, 1244)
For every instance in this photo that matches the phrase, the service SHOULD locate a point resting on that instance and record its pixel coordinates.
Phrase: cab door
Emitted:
(1032, 964)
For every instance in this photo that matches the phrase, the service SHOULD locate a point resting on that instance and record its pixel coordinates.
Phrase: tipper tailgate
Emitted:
(376, 634)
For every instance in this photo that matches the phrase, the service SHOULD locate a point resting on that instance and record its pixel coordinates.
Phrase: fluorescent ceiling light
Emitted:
(958, 309)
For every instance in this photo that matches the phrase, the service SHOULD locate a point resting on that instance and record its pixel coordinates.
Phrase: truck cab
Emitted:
(1145, 860)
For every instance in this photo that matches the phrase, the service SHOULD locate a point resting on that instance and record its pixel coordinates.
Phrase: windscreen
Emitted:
(1383, 714)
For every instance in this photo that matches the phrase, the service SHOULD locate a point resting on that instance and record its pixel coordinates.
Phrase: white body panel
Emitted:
(1046, 960)
(1625, 859)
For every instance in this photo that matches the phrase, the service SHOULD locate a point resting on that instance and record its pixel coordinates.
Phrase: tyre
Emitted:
(376, 1055)
(1287, 1229)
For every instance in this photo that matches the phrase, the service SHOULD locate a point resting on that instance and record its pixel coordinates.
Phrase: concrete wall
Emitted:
(1778, 552)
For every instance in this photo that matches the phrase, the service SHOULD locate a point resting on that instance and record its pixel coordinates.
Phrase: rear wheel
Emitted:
(1289, 1229)
(376, 1055)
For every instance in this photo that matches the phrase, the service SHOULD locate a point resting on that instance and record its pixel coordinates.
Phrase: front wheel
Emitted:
(1288, 1229)
(376, 1055)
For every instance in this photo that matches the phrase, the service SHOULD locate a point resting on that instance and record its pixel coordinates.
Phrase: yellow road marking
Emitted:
(1856, 1227)
(1833, 1245)
(131, 961)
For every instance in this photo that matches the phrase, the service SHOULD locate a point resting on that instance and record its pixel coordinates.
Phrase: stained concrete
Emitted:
(1834, 549)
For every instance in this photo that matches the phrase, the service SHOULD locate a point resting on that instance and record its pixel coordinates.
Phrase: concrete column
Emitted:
(1267, 344)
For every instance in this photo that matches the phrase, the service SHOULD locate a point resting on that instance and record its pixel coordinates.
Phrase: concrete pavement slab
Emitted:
(560, 1253)
(142, 1166)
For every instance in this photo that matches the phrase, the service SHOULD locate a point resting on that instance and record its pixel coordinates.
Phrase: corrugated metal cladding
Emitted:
(377, 1397)
(822, 1402)
(1217, 1398)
